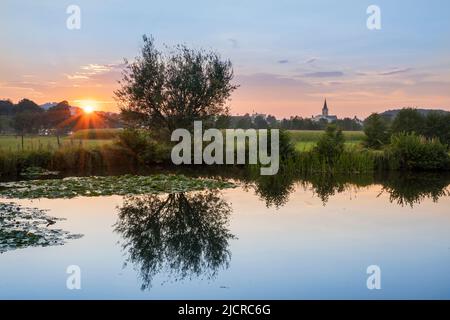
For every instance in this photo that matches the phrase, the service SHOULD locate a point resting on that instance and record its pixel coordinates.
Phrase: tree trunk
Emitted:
(22, 141)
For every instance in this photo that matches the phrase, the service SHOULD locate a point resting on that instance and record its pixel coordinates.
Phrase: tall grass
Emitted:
(349, 161)
(70, 159)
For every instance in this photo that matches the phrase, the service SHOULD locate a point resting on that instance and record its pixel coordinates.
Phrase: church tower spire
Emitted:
(325, 108)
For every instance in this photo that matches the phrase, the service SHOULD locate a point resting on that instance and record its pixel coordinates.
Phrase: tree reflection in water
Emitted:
(185, 235)
(275, 190)
(410, 189)
(403, 188)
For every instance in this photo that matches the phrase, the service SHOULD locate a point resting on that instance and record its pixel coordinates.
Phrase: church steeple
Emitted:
(325, 109)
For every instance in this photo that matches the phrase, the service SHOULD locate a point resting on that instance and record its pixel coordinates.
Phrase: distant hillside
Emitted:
(393, 113)
(48, 105)
(73, 110)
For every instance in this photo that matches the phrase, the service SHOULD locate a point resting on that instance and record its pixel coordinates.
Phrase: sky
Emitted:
(287, 55)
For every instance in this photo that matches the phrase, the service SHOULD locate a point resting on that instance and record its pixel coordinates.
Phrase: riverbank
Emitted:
(131, 152)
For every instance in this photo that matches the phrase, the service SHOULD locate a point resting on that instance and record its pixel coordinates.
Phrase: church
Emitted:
(325, 116)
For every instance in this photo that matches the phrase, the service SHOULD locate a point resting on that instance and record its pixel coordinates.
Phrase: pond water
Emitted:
(294, 239)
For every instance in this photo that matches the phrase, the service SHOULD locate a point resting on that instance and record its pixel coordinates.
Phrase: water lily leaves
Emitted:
(37, 172)
(107, 185)
(22, 227)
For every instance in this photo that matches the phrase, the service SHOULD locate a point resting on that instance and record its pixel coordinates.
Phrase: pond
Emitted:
(268, 238)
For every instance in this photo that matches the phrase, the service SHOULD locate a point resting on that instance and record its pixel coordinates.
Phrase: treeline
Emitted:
(27, 117)
(262, 121)
(379, 129)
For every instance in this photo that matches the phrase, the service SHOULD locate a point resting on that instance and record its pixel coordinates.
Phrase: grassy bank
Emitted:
(76, 160)
(134, 150)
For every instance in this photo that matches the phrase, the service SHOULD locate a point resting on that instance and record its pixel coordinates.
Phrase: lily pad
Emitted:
(107, 185)
(37, 172)
(22, 227)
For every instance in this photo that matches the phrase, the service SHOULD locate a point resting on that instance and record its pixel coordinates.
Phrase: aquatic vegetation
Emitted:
(107, 185)
(22, 227)
(37, 172)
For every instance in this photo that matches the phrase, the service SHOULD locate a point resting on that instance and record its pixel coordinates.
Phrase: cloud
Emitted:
(266, 79)
(311, 60)
(76, 76)
(283, 61)
(93, 70)
(96, 68)
(394, 72)
(324, 74)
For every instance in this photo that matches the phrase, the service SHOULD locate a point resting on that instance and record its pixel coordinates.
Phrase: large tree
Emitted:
(27, 117)
(23, 123)
(169, 91)
(58, 118)
(408, 120)
(6, 107)
(26, 105)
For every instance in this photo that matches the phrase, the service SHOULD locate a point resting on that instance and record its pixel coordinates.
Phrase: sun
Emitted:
(88, 109)
(87, 105)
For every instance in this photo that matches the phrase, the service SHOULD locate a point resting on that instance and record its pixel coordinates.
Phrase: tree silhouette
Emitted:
(169, 91)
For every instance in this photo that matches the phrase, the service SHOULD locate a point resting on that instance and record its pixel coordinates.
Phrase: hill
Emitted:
(393, 113)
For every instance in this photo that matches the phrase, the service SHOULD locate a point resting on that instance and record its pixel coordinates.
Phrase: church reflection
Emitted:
(184, 235)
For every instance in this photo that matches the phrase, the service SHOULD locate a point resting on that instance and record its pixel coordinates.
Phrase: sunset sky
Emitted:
(287, 55)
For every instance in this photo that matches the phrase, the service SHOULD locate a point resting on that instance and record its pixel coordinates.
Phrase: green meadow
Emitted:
(32, 143)
(305, 140)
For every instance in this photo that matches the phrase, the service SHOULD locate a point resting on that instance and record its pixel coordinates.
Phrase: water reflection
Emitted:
(185, 235)
(403, 189)
(410, 189)
(275, 190)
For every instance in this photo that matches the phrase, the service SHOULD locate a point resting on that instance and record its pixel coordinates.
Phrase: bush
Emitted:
(144, 146)
(412, 152)
(330, 145)
(376, 131)
(287, 148)
(437, 125)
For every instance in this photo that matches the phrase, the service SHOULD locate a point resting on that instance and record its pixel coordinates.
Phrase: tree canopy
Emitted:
(169, 91)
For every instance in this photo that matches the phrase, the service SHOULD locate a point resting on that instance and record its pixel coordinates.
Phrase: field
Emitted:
(96, 134)
(305, 140)
(14, 143)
